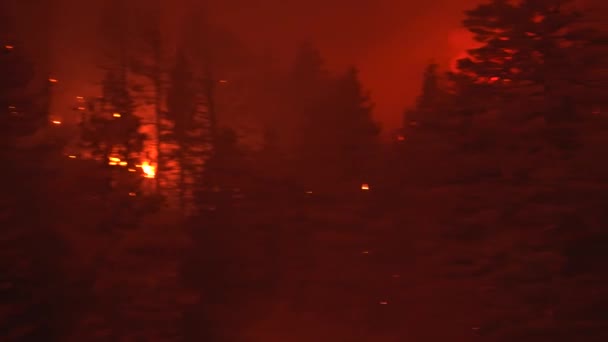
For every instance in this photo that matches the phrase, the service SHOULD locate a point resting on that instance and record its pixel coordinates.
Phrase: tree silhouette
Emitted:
(37, 297)
(539, 50)
(332, 122)
(351, 129)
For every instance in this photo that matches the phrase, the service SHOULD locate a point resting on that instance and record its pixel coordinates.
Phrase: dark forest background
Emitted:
(157, 218)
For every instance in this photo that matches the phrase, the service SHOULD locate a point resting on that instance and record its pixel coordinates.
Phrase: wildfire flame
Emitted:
(364, 186)
(56, 122)
(113, 161)
(148, 169)
(116, 115)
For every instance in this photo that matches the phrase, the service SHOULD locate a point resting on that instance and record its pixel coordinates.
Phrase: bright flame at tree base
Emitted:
(148, 169)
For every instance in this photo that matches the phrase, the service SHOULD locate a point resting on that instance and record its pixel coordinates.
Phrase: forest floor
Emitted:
(348, 268)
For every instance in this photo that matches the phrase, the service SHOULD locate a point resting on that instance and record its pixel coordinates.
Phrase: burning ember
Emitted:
(148, 169)
(114, 161)
(364, 186)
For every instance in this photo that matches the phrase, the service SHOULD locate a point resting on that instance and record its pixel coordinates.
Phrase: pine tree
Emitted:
(110, 128)
(355, 129)
(524, 84)
(432, 130)
(23, 105)
(187, 130)
(306, 85)
(38, 299)
(534, 48)
(427, 105)
(151, 63)
(338, 135)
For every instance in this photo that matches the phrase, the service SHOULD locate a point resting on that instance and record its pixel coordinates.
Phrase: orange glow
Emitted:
(72, 156)
(80, 98)
(494, 79)
(9, 47)
(223, 81)
(113, 161)
(364, 186)
(56, 122)
(116, 115)
(53, 80)
(132, 170)
(81, 108)
(123, 163)
(309, 192)
(148, 169)
(132, 194)
(538, 18)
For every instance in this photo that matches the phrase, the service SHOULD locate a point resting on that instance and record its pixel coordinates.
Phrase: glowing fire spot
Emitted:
(132, 170)
(113, 161)
(132, 194)
(56, 122)
(148, 169)
(383, 302)
(116, 115)
(53, 80)
(538, 18)
(364, 186)
(72, 156)
(81, 108)
(123, 163)
(9, 47)
(223, 81)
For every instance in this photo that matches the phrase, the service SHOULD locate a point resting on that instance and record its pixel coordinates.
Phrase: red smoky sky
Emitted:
(390, 41)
